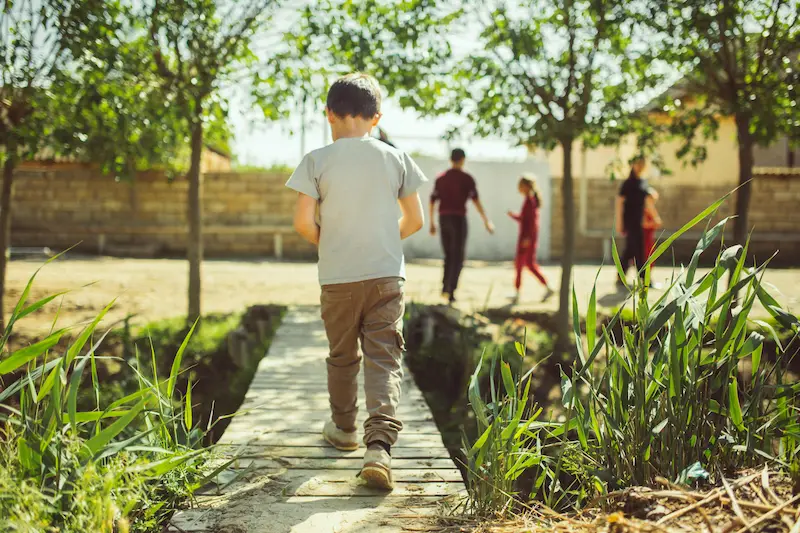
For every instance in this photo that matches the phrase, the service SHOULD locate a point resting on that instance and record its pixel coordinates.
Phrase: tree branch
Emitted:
(729, 64)
(765, 42)
(588, 76)
(230, 41)
(161, 65)
(571, 48)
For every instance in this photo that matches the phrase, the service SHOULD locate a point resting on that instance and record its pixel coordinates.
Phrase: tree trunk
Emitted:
(194, 247)
(563, 342)
(5, 226)
(741, 225)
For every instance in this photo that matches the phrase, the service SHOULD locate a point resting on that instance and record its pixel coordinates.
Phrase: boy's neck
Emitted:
(351, 128)
(355, 133)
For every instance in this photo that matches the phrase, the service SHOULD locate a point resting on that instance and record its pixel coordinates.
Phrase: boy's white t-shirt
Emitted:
(357, 182)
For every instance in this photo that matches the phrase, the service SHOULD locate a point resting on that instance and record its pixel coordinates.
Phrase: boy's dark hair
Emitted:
(457, 155)
(355, 95)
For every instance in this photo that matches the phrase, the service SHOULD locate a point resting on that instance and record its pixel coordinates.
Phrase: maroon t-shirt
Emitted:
(452, 190)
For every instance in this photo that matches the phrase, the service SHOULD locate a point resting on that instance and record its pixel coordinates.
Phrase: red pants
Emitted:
(649, 236)
(526, 257)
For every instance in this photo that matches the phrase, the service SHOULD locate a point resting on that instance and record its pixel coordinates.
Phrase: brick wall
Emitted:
(243, 213)
(774, 216)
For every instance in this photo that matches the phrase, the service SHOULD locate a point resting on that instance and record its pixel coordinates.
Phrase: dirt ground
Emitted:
(150, 289)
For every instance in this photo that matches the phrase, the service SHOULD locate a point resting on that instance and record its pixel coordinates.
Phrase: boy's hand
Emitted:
(433, 230)
(489, 227)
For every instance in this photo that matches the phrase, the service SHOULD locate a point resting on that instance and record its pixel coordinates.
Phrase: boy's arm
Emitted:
(486, 221)
(305, 222)
(413, 217)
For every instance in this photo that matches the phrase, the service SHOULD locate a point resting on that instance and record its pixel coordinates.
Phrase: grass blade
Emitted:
(83, 338)
(591, 317)
(96, 443)
(72, 394)
(664, 246)
(176, 363)
(24, 355)
(187, 410)
(734, 407)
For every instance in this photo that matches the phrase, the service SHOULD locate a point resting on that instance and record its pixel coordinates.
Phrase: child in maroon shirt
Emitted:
(528, 220)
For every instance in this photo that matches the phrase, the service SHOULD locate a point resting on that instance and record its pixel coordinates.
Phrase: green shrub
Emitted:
(119, 466)
(682, 392)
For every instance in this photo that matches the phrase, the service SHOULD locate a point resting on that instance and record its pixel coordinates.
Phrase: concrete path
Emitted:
(291, 481)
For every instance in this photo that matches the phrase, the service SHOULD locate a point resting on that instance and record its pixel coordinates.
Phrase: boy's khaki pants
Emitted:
(372, 312)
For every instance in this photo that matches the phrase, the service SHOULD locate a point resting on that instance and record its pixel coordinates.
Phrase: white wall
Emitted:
(497, 188)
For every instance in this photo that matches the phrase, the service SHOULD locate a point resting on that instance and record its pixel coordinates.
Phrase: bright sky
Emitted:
(257, 142)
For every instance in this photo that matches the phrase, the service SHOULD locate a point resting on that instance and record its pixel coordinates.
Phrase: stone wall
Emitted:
(246, 214)
(774, 216)
(250, 215)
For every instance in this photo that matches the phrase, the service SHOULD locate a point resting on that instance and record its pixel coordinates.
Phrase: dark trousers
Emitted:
(634, 250)
(453, 230)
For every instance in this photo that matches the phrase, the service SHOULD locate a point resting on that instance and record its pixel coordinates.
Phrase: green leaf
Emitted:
(96, 443)
(187, 410)
(567, 392)
(72, 395)
(664, 246)
(734, 408)
(176, 363)
(27, 354)
(576, 328)
(80, 342)
(618, 262)
(48, 384)
(475, 399)
(38, 305)
(161, 467)
(591, 318)
(691, 474)
(520, 348)
(508, 380)
(481, 442)
(708, 238)
(660, 318)
(756, 360)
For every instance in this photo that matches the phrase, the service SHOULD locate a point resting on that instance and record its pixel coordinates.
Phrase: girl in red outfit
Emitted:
(650, 222)
(528, 220)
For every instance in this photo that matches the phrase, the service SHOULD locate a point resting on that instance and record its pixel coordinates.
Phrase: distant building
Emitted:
(721, 165)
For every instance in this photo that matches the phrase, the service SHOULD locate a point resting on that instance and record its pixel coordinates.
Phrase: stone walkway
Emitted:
(291, 481)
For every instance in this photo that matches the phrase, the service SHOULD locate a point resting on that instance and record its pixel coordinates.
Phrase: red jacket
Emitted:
(528, 219)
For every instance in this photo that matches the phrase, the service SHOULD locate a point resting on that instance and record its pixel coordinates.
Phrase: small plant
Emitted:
(683, 390)
(670, 393)
(505, 446)
(114, 468)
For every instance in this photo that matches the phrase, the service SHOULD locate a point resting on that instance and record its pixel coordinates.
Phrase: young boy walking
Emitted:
(357, 182)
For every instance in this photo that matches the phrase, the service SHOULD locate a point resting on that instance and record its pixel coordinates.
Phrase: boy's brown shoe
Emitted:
(377, 470)
(346, 441)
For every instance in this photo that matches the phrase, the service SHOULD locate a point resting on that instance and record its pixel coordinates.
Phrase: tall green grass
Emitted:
(115, 467)
(683, 390)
